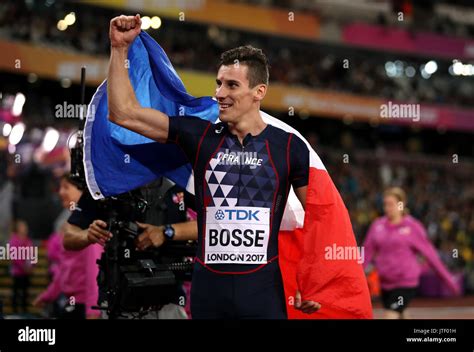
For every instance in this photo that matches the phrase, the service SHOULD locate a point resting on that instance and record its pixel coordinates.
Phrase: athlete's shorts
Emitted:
(258, 295)
(398, 298)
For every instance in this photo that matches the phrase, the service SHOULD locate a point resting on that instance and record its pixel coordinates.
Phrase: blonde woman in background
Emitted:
(393, 244)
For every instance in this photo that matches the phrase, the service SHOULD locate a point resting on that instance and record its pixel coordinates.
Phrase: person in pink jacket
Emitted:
(75, 277)
(393, 244)
(54, 248)
(20, 267)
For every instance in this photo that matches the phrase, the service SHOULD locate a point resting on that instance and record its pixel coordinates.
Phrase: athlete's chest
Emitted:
(244, 175)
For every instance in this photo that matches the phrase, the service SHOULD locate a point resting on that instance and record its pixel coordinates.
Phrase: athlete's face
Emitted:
(68, 193)
(392, 207)
(234, 95)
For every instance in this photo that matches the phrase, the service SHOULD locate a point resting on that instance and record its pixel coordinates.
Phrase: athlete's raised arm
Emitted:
(124, 108)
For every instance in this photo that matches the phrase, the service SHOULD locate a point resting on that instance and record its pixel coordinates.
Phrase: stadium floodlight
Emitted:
(424, 73)
(390, 69)
(460, 69)
(457, 67)
(16, 133)
(62, 25)
(32, 77)
(65, 82)
(410, 71)
(70, 18)
(155, 22)
(146, 23)
(469, 70)
(431, 67)
(7, 128)
(18, 103)
(50, 139)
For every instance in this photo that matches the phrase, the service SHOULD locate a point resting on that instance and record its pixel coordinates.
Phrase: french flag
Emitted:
(117, 160)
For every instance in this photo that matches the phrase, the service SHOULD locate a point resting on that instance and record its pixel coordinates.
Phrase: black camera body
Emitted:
(132, 281)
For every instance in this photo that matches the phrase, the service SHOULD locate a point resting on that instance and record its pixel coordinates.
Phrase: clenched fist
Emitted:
(123, 30)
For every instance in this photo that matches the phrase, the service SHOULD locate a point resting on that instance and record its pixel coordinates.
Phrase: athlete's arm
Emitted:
(305, 306)
(124, 108)
(153, 236)
(301, 194)
(298, 155)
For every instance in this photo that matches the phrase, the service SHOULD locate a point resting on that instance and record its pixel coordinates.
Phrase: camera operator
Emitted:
(170, 211)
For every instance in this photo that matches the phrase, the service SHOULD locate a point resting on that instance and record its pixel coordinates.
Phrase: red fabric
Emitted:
(339, 286)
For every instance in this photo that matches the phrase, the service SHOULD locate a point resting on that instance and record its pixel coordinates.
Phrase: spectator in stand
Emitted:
(20, 267)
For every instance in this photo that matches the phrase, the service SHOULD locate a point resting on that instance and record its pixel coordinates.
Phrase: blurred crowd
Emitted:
(427, 15)
(293, 62)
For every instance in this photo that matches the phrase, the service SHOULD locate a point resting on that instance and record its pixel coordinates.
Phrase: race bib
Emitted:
(237, 235)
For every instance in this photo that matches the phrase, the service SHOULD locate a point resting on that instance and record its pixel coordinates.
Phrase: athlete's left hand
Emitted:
(307, 307)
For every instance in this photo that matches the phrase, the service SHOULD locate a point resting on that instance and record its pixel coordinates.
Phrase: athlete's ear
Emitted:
(260, 91)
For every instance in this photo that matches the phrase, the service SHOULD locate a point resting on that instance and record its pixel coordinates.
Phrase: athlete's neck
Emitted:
(251, 123)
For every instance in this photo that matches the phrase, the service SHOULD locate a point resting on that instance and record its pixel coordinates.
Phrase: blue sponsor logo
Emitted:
(219, 215)
(237, 214)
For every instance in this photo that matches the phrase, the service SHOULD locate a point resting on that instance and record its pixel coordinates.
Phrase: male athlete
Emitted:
(243, 170)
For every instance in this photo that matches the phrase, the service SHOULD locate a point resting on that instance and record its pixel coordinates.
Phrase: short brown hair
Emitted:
(253, 58)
